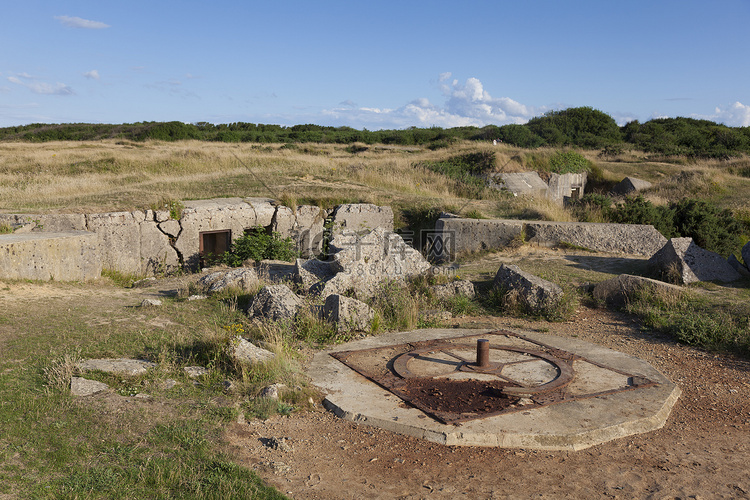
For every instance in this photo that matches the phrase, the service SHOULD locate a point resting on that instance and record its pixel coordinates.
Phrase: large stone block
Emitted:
(304, 225)
(358, 217)
(532, 291)
(681, 258)
(348, 314)
(275, 302)
(457, 236)
(362, 261)
(69, 256)
(630, 185)
(634, 239)
(519, 183)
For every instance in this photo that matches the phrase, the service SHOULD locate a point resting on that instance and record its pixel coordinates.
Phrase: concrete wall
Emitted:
(66, 256)
(150, 242)
(558, 188)
(462, 236)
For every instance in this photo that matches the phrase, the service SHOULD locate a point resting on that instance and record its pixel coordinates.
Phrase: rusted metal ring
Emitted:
(565, 369)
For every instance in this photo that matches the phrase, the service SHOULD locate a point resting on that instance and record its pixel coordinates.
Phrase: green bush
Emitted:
(711, 228)
(639, 210)
(569, 162)
(256, 245)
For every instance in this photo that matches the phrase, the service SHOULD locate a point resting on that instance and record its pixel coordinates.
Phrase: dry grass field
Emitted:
(114, 175)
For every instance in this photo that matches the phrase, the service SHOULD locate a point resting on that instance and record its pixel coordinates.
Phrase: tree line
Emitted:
(582, 127)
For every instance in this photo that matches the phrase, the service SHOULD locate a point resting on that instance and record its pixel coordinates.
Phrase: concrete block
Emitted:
(119, 236)
(68, 256)
(459, 236)
(633, 239)
(358, 217)
(691, 262)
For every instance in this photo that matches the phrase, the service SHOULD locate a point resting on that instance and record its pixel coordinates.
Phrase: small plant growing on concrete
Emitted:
(258, 245)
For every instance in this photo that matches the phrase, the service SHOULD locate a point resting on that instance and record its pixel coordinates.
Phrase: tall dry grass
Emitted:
(117, 175)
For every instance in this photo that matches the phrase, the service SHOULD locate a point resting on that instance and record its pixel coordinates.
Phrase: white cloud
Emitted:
(734, 115)
(465, 105)
(39, 87)
(92, 75)
(77, 22)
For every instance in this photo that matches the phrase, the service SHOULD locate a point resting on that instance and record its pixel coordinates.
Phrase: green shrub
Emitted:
(638, 210)
(257, 245)
(569, 162)
(5, 228)
(466, 170)
(711, 228)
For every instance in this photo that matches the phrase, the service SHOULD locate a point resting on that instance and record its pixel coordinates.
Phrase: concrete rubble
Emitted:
(533, 292)
(630, 185)
(348, 314)
(242, 278)
(682, 259)
(457, 287)
(245, 351)
(275, 302)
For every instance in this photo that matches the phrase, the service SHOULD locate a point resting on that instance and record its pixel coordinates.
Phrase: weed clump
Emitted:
(258, 245)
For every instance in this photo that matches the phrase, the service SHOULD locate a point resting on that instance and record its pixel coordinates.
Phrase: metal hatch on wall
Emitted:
(213, 244)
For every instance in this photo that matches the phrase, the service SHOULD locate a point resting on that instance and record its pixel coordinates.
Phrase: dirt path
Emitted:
(702, 452)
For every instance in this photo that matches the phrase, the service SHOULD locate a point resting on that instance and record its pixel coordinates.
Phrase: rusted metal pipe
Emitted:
(483, 353)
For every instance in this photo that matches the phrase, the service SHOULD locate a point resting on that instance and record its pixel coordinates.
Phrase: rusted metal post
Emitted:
(483, 353)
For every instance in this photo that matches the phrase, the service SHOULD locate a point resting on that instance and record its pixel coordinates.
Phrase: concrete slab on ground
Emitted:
(567, 425)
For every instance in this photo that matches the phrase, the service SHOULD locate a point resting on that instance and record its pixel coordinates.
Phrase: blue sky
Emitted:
(374, 65)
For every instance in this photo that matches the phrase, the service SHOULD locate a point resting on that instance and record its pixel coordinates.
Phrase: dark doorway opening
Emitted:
(213, 244)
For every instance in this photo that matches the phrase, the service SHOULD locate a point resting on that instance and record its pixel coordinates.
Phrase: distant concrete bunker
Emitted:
(494, 388)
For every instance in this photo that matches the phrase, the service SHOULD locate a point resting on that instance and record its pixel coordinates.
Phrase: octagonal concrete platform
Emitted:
(570, 425)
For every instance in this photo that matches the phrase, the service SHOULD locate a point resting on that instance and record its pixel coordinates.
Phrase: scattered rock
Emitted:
(272, 391)
(738, 266)
(120, 366)
(275, 302)
(348, 314)
(458, 287)
(80, 386)
(280, 444)
(195, 371)
(617, 292)
(243, 278)
(168, 384)
(311, 272)
(746, 254)
(630, 185)
(196, 297)
(151, 303)
(242, 350)
(533, 292)
(435, 315)
(682, 260)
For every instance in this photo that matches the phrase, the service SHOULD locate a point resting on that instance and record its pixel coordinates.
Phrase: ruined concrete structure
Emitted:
(456, 236)
(558, 188)
(77, 246)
